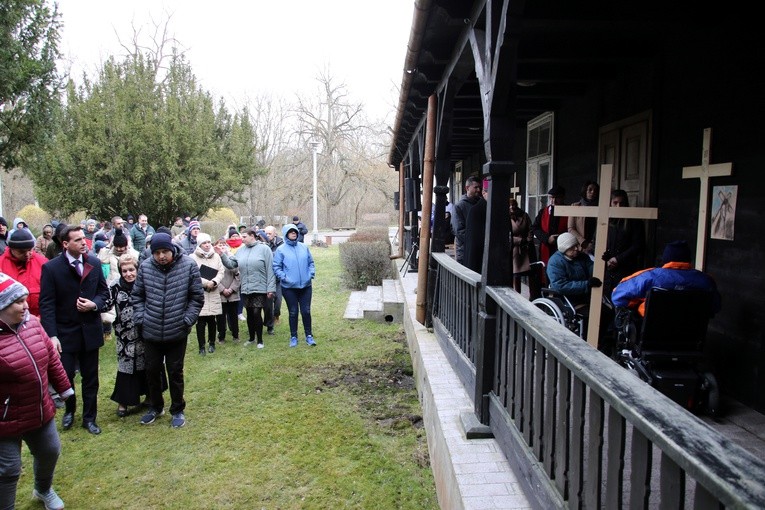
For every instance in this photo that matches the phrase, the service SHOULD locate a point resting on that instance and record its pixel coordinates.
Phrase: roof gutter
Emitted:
(413, 47)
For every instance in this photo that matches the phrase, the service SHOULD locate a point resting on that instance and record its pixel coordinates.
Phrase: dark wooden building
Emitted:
(535, 93)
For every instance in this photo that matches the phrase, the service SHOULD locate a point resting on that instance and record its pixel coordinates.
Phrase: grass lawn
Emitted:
(335, 426)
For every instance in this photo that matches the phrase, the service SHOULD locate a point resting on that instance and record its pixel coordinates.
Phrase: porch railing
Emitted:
(582, 431)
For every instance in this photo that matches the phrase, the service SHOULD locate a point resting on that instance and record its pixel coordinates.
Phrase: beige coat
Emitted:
(212, 305)
(523, 243)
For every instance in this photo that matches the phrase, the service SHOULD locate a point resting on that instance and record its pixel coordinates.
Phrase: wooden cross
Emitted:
(514, 191)
(704, 172)
(603, 212)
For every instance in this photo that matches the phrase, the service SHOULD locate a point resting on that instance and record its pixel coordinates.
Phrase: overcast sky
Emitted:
(244, 48)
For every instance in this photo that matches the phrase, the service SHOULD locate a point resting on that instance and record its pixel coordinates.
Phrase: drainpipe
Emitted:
(427, 207)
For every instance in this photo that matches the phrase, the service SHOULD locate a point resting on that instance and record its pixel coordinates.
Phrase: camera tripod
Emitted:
(408, 259)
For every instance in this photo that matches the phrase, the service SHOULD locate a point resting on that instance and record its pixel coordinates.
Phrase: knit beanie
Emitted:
(232, 231)
(203, 238)
(10, 291)
(566, 241)
(3, 221)
(161, 241)
(21, 239)
(119, 239)
(192, 225)
(676, 251)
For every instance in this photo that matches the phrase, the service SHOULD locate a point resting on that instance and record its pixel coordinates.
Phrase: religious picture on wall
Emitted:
(723, 211)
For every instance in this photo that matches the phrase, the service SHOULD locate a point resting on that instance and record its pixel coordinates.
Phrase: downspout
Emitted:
(401, 210)
(427, 207)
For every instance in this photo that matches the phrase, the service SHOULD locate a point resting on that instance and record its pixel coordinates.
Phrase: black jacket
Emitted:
(60, 286)
(167, 299)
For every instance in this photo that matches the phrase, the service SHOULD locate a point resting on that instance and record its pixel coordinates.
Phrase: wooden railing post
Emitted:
(485, 347)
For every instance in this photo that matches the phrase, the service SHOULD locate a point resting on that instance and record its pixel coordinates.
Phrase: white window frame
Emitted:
(539, 167)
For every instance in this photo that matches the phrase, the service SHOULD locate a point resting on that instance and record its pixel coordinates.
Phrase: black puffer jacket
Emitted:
(167, 299)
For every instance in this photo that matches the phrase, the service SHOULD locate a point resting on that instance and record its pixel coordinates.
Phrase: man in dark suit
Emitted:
(73, 293)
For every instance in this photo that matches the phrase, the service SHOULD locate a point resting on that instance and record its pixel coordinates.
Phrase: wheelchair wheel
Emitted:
(712, 391)
(551, 308)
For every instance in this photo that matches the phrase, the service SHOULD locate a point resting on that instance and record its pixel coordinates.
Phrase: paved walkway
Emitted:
(471, 474)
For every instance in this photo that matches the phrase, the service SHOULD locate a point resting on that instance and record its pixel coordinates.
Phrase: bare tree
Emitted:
(158, 45)
(341, 127)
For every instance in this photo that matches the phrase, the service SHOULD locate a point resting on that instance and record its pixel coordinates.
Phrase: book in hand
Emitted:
(207, 272)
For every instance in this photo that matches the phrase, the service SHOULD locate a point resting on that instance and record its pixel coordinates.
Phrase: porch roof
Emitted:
(557, 49)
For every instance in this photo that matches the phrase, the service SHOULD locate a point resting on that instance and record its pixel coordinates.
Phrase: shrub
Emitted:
(216, 229)
(35, 217)
(376, 219)
(368, 235)
(222, 215)
(366, 262)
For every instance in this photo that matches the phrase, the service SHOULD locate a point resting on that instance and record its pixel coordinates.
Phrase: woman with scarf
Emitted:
(131, 383)
(229, 298)
(211, 270)
(233, 240)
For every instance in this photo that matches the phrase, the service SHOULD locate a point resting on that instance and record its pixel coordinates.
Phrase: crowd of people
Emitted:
(64, 293)
(558, 252)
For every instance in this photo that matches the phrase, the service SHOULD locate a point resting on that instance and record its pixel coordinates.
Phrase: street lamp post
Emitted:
(315, 149)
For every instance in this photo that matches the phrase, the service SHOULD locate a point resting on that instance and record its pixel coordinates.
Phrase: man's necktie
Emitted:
(78, 266)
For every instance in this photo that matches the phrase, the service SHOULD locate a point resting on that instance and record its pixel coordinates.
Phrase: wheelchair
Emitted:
(560, 308)
(665, 349)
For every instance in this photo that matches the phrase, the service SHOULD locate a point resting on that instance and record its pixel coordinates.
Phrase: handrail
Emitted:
(727, 471)
(463, 273)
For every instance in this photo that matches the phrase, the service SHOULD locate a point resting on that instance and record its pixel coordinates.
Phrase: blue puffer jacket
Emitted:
(569, 277)
(293, 262)
(632, 290)
(167, 299)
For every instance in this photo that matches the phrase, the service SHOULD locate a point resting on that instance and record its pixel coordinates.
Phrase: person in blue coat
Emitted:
(570, 271)
(676, 273)
(294, 267)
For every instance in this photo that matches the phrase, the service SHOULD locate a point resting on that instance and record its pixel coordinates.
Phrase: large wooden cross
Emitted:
(704, 172)
(515, 190)
(603, 212)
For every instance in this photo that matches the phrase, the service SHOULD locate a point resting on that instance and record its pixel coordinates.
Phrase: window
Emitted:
(539, 162)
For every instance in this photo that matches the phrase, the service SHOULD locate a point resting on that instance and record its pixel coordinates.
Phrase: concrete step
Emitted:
(372, 303)
(393, 301)
(383, 303)
(355, 307)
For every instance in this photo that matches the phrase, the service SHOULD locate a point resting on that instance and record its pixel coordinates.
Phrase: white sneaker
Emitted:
(242, 317)
(50, 499)
(260, 346)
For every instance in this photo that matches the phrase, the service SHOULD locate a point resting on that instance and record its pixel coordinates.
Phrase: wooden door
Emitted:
(626, 145)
